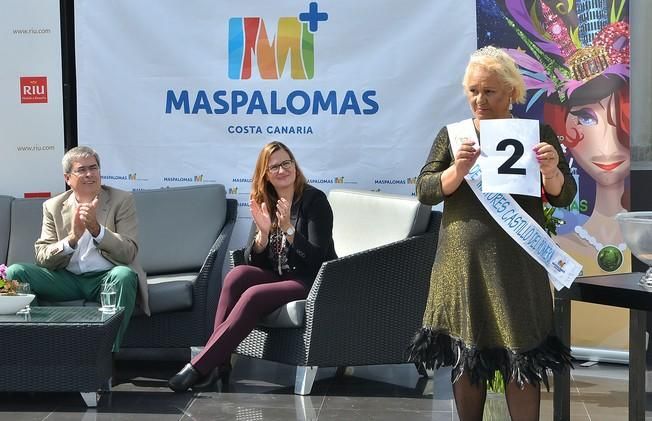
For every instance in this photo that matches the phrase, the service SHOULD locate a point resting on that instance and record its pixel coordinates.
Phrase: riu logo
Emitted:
(249, 42)
(132, 177)
(33, 89)
(199, 178)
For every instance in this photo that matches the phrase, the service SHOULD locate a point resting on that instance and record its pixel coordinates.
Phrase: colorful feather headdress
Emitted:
(567, 55)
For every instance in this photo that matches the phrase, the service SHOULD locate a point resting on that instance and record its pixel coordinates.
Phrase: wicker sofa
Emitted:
(184, 234)
(365, 306)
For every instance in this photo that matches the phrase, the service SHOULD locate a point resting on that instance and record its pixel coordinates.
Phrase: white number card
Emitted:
(508, 163)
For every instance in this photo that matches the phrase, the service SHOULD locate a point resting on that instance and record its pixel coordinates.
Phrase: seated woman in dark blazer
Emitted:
(294, 237)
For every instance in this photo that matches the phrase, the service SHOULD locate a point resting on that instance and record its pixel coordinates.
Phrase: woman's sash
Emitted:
(561, 268)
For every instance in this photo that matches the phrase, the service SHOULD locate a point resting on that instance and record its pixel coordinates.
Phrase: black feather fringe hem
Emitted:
(436, 348)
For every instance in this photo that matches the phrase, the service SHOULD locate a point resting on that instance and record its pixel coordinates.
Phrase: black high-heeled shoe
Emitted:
(208, 382)
(184, 379)
(225, 373)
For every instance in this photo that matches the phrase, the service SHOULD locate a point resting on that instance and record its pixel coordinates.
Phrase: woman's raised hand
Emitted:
(466, 156)
(283, 208)
(261, 217)
(548, 159)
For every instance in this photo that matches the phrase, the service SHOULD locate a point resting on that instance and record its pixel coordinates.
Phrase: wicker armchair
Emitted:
(363, 308)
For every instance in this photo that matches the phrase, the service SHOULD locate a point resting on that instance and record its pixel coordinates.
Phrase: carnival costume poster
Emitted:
(574, 56)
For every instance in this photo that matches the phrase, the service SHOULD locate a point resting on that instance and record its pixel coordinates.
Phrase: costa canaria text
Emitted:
(269, 129)
(296, 102)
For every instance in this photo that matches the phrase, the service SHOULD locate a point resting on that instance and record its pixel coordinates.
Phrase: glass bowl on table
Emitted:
(636, 228)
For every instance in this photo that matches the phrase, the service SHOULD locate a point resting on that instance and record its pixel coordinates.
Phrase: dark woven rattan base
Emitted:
(57, 356)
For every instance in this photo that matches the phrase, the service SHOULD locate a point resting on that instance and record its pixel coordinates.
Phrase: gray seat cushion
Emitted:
(290, 315)
(189, 218)
(170, 292)
(166, 292)
(26, 219)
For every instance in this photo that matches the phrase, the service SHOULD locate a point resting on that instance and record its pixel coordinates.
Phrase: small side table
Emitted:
(58, 349)
(622, 290)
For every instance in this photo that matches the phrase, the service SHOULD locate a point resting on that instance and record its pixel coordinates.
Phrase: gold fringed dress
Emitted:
(490, 304)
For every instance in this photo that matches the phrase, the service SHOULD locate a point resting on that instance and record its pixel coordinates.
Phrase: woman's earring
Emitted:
(510, 105)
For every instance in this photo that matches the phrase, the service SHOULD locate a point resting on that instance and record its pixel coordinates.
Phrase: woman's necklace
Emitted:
(609, 257)
(278, 248)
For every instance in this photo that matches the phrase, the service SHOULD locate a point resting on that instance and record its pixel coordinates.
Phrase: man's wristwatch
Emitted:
(290, 231)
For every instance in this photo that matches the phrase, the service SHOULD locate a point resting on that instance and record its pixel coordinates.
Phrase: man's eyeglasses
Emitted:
(286, 165)
(83, 170)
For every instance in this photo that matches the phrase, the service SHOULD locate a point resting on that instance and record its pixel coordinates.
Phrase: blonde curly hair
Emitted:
(497, 61)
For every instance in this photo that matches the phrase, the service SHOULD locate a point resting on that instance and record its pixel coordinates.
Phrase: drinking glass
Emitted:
(108, 298)
(24, 288)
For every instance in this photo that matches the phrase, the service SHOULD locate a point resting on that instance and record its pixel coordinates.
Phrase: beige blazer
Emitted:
(116, 211)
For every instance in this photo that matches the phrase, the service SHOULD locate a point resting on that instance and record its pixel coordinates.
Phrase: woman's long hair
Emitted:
(262, 190)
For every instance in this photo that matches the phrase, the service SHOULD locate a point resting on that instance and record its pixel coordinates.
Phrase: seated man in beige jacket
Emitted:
(88, 239)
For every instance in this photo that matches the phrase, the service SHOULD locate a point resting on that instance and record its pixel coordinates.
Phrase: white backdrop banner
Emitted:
(176, 93)
(31, 104)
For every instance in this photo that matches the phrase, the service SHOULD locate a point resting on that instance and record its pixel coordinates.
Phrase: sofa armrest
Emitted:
(376, 298)
(236, 258)
(209, 281)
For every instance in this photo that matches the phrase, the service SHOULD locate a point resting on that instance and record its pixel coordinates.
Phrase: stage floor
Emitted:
(261, 390)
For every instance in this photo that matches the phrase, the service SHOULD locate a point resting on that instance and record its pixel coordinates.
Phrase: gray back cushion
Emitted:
(5, 214)
(177, 226)
(26, 221)
(364, 219)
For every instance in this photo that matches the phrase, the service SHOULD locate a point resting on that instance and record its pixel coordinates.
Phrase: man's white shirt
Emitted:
(86, 257)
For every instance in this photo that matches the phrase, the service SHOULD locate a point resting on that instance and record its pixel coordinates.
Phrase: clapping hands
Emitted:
(283, 209)
(260, 214)
(85, 218)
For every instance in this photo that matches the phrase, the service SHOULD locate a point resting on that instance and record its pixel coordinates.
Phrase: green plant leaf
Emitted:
(497, 384)
(550, 222)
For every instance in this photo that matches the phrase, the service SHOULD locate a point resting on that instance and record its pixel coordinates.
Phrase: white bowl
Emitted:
(10, 304)
(637, 232)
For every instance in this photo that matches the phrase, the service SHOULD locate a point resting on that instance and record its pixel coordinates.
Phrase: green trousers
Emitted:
(61, 285)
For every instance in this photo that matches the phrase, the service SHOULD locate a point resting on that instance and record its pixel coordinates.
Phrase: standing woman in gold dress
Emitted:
(489, 308)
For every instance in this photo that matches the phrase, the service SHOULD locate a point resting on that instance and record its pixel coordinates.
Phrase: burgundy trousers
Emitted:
(248, 294)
